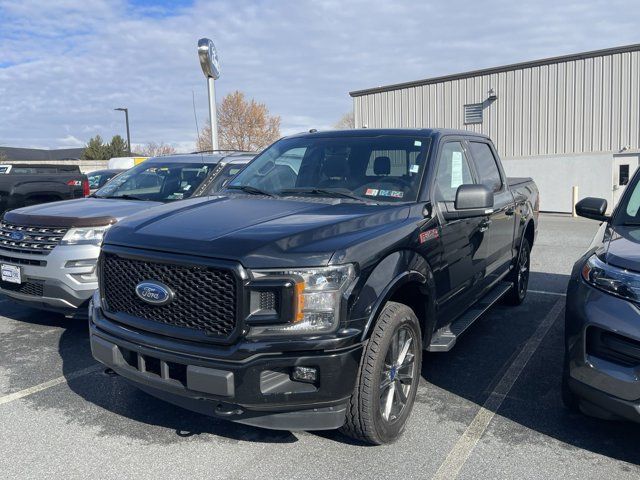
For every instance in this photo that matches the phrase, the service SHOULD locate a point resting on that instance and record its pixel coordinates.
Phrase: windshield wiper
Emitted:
(326, 192)
(631, 224)
(251, 190)
(125, 197)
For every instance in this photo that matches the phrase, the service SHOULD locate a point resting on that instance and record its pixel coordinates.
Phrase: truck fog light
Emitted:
(304, 374)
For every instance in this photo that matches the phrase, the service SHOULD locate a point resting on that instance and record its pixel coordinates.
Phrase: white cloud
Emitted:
(69, 141)
(65, 65)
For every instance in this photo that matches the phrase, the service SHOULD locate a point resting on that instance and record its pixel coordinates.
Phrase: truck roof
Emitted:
(369, 132)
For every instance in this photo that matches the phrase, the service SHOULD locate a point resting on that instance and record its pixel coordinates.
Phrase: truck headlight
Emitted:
(318, 298)
(85, 236)
(616, 281)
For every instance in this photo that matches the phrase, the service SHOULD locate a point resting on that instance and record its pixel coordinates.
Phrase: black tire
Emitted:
(519, 276)
(569, 399)
(366, 411)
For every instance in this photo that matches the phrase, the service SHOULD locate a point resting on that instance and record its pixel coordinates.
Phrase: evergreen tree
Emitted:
(96, 149)
(118, 147)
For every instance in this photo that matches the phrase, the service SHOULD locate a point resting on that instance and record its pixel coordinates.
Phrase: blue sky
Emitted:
(65, 64)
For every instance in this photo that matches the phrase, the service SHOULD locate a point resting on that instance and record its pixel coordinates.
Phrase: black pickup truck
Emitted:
(303, 295)
(22, 185)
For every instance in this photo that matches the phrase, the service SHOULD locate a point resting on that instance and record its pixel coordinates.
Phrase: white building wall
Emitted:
(558, 120)
(582, 105)
(556, 175)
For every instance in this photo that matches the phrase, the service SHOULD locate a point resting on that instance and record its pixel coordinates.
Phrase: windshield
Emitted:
(159, 182)
(386, 168)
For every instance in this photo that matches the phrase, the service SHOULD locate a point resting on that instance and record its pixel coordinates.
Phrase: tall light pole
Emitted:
(211, 69)
(126, 119)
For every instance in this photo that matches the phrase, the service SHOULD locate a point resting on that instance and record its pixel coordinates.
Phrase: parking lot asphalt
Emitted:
(490, 408)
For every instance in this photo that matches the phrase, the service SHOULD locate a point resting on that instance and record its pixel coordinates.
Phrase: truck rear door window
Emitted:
(487, 166)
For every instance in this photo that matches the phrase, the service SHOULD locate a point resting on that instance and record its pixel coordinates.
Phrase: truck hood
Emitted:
(622, 247)
(82, 212)
(259, 232)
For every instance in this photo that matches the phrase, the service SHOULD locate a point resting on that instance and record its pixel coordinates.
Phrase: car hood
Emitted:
(82, 212)
(621, 247)
(259, 232)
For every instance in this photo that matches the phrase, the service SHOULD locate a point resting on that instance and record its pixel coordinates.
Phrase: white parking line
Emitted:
(544, 292)
(51, 383)
(459, 454)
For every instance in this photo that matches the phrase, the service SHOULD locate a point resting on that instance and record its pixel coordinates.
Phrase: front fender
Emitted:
(385, 279)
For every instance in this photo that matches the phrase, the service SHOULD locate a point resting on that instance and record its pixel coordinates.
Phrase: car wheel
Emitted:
(520, 276)
(388, 378)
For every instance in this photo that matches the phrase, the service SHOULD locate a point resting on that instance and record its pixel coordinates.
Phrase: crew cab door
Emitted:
(501, 223)
(461, 257)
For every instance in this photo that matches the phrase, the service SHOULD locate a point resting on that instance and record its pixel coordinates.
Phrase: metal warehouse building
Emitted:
(566, 121)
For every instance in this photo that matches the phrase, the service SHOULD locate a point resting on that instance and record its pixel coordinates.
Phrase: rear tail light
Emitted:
(81, 183)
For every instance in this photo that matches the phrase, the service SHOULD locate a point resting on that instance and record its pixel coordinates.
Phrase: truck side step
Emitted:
(444, 339)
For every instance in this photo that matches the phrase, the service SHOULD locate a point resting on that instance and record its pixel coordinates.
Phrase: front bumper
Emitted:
(602, 377)
(256, 390)
(49, 283)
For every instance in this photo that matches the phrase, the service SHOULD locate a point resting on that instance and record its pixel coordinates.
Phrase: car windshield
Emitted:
(384, 168)
(157, 181)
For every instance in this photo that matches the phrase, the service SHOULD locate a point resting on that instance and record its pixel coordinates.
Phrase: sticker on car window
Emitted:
(374, 192)
(456, 169)
(414, 168)
(417, 143)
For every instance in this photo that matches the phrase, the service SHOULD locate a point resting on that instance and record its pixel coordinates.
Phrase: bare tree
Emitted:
(3, 157)
(153, 149)
(242, 125)
(347, 122)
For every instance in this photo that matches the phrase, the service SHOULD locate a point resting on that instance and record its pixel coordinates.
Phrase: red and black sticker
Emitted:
(429, 235)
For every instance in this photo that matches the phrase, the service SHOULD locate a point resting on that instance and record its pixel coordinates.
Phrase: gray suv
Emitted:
(48, 253)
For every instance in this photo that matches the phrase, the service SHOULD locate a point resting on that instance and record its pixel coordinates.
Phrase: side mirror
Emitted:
(593, 208)
(471, 201)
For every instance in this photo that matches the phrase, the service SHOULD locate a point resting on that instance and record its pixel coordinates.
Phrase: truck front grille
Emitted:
(29, 239)
(204, 297)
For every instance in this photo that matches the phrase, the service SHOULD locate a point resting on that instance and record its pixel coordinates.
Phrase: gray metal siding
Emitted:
(582, 105)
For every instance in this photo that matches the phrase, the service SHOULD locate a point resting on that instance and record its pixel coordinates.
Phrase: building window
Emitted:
(473, 113)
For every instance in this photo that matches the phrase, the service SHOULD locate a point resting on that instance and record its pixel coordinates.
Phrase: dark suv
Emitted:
(303, 295)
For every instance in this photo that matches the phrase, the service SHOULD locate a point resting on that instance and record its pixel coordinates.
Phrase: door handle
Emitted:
(484, 225)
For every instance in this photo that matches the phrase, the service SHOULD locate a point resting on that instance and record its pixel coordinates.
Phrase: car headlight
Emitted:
(318, 298)
(85, 236)
(616, 281)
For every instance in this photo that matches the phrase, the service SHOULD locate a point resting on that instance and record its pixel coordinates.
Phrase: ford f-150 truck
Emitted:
(48, 253)
(27, 184)
(303, 295)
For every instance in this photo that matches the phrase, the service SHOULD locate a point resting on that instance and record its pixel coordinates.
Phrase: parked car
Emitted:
(24, 184)
(301, 297)
(602, 320)
(98, 178)
(48, 253)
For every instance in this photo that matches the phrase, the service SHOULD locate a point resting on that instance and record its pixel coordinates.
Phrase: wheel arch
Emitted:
(411, 284)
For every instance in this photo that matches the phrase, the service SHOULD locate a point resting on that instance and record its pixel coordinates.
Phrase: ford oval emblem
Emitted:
(154, 293)
(18, 236)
